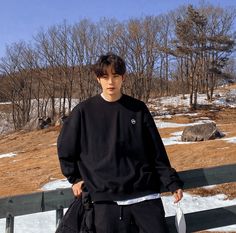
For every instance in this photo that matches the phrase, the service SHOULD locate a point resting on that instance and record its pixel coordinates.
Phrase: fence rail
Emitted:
(61, 198)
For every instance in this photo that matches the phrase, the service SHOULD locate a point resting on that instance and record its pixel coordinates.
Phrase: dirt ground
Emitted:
(36, 162)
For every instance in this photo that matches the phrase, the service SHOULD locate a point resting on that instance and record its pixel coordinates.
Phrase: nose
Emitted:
(110, 80)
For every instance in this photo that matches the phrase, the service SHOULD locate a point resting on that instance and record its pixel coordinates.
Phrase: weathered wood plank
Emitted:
(208, 176)
(59, 216)
(56, 199)
(208, 219)
(20, 205)
(9, 224)
(35, 202)
(61, 198)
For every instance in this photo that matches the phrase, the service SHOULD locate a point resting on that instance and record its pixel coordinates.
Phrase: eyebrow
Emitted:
(111, 73)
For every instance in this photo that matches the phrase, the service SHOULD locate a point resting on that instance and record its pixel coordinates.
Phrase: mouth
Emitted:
(111, 88)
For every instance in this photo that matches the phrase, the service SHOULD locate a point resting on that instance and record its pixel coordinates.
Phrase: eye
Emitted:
(105, 77)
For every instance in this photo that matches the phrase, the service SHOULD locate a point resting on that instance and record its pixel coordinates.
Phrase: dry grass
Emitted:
(228, 189)
(36, 162)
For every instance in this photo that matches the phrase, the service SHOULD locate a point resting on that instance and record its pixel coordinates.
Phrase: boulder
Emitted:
(231, 97)
(44, 122)
(201, 132)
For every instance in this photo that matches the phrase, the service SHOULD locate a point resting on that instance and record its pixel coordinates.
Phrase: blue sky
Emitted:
(21, 19)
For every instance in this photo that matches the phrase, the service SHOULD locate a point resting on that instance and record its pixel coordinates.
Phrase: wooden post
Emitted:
(9, 223)
(59, 215)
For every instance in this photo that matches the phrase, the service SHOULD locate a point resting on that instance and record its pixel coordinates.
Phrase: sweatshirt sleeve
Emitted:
(167, 174)
(68, 146)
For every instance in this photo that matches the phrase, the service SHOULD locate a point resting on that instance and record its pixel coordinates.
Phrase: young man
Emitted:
(111, 144)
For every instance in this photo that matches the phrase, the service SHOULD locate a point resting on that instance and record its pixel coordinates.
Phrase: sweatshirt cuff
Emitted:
(175, 186)
(73, 180)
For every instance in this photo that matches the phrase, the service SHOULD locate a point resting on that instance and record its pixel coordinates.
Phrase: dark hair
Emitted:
(110, 59)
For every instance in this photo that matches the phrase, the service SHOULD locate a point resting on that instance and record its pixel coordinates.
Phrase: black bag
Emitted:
(79, 216)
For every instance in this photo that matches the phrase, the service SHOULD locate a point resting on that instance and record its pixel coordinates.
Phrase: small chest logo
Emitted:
(133, 121)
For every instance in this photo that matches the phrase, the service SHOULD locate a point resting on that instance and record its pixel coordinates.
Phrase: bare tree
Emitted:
(85, 40)
(16, 65)
(164, 56)
(219, 46)
(49, 53)
(140, 38)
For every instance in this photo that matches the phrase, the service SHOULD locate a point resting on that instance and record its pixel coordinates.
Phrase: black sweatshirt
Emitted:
(116, 149)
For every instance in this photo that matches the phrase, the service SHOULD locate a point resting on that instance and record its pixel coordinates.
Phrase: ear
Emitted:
(123, 78)
(99, 81)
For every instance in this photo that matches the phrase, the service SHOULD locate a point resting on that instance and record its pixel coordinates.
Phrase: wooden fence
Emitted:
(61, 198)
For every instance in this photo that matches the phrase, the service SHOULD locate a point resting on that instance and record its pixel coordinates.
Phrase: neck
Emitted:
(111, 98)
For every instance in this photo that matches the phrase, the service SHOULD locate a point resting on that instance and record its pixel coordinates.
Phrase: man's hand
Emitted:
(178, 194)
(77, 188)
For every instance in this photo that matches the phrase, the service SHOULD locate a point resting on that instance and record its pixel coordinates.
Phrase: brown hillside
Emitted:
(36, 161)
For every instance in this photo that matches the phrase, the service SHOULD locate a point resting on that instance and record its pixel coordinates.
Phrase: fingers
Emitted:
(77, 188)
(76, 192)
(178, 195)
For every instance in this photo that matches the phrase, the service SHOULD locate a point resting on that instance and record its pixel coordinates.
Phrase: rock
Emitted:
(201, 132)
(231, 97)
(44, 122)
(153, 113)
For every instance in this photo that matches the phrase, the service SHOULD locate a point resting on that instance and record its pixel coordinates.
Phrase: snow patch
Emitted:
(193, 203)
(230, 140)
(46, 222)
(162, 124)
(56, 184)
(174, 140)
(8, 155)
(223, 148)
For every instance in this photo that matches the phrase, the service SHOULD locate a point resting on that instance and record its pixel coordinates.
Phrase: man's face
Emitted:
(111, 82)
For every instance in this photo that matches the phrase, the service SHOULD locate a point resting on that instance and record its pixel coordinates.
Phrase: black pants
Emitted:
(143, 217)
